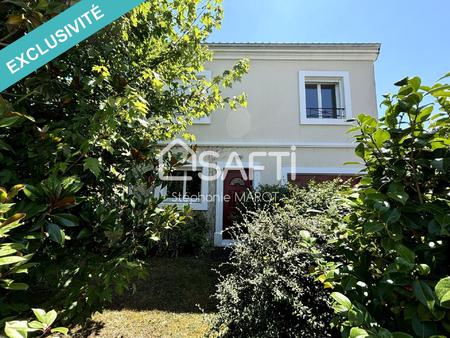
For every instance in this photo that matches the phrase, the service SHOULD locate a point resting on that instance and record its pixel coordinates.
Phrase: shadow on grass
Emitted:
(178, 285)
(91, 328)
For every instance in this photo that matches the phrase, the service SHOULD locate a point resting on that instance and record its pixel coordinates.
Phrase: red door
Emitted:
(234, 186)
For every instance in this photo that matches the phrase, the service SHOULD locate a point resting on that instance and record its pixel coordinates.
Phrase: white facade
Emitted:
(299, 95)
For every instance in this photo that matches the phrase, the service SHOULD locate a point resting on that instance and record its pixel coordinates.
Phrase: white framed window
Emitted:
(324, 97)
(187, 188)
(206, 74)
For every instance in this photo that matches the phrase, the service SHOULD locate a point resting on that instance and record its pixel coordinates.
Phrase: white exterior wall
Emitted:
(272, 86)
(271, 122)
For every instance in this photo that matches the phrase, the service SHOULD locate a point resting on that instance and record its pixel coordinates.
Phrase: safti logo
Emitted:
(210, 160)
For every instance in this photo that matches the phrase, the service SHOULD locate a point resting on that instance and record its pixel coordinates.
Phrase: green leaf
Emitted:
(63, 330)
(424, 294)
(357, 332)
(342, 300)
(442, 290)
(5, 207)
(380, 136)
(67, 220)
(32, 192)
(406, 253)
(11, 260)
(39, 314)
(17, 286)
(17, 329)
(5, 146)
(56, 233)
(93, 165)
(373, 227)
(36, 325)
(415, 82)
(392, 216)
(9, 121)
(423, 329)
(397, 192)
(402, 82)
(360, 150)
(50, 317)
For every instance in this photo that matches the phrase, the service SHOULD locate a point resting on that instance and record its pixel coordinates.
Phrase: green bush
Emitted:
(395, 242)
(265, 197)
(188, 238)
(269, 291)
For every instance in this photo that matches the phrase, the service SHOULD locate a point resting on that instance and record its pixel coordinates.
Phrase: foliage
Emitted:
(269, 291)
(41, 327)
(14, 257)
(265, 197)
(188, 238)
(318, 197)
(81, 134)
(395, 241)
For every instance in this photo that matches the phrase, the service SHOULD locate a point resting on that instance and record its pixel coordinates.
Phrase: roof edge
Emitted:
(321, 51)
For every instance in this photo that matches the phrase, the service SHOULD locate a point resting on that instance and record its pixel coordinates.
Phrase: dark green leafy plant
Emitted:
(81, 134)
(395, 241)
(189, 238)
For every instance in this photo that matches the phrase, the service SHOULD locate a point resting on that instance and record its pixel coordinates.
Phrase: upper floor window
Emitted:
(324, 97)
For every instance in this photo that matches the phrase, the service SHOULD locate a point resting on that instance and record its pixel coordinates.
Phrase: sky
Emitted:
(415, 34)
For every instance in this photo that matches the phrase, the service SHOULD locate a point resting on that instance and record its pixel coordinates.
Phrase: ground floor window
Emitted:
(188, 187)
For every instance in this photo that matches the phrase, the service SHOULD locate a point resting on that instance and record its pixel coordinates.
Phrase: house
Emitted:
(300, 98)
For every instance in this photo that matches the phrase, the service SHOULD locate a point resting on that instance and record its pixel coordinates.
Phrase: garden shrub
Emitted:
(269, 291)
(317, 197)
(265, 197)
(188, 238)
(394, 244)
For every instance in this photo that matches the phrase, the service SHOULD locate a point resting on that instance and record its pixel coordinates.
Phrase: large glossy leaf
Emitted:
(67, 220)
(442, 290)
(424, 294)
(406, 253)
(17, 329)
(342, 300)
(55, 233)
(11, 260)
(357, 332)
(397, 192)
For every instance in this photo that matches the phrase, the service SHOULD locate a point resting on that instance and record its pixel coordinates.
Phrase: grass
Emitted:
(174, 302)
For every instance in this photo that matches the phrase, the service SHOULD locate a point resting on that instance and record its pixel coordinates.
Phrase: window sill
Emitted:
(200, 122)
(329, 122)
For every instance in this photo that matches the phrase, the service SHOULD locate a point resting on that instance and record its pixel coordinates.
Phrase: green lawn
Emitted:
(174, 302)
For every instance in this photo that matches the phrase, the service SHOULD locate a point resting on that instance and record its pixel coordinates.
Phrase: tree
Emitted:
(82, 132)
(393, 279)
